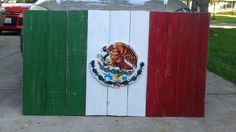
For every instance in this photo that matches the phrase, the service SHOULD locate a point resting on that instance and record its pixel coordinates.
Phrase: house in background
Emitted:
(217, 5)
(222, 6)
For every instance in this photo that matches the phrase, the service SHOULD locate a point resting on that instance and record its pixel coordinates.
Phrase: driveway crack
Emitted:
(8, 56)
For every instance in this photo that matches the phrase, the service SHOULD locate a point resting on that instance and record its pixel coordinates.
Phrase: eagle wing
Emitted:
(129, 55)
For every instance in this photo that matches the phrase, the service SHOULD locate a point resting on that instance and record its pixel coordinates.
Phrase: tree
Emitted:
(188, 3)
(199, 5)
(214, 2)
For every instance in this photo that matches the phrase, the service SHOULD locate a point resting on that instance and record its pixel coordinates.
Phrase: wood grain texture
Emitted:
(200, 83)
(192, 62)
(119, 32)
(76, 56)
(151, 106)
(139, 31)
(34, 63)
(158, 40)
(56, 62)
(171, 67)
(177, 64)
(184, 92)
(98, 36)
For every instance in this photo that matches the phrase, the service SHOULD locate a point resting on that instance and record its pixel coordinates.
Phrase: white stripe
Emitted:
(105, 28)
(139, 32)
(98, 36)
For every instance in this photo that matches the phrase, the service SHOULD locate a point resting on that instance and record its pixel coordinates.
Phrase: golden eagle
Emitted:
(122, 56)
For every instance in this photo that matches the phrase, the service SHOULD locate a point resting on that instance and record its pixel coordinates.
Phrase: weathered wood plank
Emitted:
(76, 63)
(182, 72)
(200, 82)
(56, 62)
(192, 53)
(152, 74)
(119, 32)
(171, 67)
(139, 31)
(34, 63)
(156, 89)
(98, 36)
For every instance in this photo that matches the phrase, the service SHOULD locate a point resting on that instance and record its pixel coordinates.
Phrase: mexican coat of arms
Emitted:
(117, 65)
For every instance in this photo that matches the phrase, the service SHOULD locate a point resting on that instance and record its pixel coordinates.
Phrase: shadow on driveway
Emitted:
(10, 33)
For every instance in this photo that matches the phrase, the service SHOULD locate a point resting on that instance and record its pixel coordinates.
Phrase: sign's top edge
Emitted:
(126, 5)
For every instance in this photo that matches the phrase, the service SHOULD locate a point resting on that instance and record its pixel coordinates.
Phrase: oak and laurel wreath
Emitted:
(126, 82)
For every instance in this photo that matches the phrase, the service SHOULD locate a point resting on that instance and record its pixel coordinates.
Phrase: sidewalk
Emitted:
(220, 112)
(223, 25)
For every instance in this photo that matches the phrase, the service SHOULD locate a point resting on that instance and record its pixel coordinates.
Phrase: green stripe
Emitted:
(76, 62)
(34, 62)
(56, 62)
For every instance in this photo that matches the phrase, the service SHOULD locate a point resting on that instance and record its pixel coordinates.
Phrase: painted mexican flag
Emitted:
(121, 63)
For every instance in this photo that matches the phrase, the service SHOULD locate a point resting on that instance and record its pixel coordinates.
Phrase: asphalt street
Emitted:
(220, 112)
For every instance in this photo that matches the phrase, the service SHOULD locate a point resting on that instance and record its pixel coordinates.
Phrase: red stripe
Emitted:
(177, 64)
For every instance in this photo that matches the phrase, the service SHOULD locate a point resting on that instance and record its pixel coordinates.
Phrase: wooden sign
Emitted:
(119, 63)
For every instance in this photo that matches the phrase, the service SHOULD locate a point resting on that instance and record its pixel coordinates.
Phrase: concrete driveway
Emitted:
(220, 106)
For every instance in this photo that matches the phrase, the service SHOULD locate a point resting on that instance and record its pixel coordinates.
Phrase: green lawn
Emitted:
(222, 53)
(224, 19)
